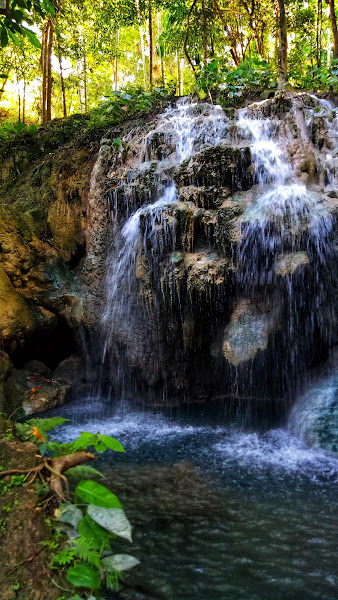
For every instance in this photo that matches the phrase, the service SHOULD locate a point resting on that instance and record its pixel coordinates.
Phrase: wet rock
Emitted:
(33, 388)
(287, 264)
(221, 166)
(247, 333)
(69, 370)
(314, 417)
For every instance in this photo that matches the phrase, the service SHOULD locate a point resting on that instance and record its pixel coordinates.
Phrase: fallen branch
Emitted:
(55, 467)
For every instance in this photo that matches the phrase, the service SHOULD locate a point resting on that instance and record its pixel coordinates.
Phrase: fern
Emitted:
(62, 558)
(112, 579)
(86, 551)
(24, 430)
(82, 472)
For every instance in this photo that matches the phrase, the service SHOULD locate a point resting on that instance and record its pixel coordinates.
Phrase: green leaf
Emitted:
(86, 439)
(126, 96)
(100, 446)
(93, 532)
(111, 442)
(84, 576)
(91, 492)
(119, 562)
(49, 8)
(68, 513)
(32, 38)
(13, 37)
(4, 37)
(113, 519)
(82, 471)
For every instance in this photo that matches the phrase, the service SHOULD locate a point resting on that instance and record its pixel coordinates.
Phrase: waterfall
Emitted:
(220, 278)
(186, 128)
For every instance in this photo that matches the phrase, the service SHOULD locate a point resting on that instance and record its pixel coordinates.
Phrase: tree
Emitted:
(334, 28)
(283, 44)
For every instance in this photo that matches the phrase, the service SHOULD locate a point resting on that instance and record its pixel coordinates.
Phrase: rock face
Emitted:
(193, 262)
(233, 278)
(42, 242)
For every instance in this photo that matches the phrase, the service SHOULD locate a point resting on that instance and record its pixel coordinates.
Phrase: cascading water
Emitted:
(187, 129)
(287, 227)
(220, 266)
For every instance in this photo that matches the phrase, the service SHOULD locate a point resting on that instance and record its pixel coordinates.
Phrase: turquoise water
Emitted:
(218, 512)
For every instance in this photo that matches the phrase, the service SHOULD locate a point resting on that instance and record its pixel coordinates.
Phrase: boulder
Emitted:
(247, 333)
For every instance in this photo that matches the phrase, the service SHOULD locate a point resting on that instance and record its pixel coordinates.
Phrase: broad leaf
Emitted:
(68, 513)
(84, 576)
(91, 492)
(113, 519)
(119, 562)
(86, 439)
(93, 532)
(32, 38)
(4, 37)
(112, 443)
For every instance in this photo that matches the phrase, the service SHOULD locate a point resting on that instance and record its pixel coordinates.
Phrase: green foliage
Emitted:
(84, 576)
(127, 102)
(91, 492)
(251, 74)
(22, 13)
(15, 481)
(83, 471)
(321, 78)
(24, 431)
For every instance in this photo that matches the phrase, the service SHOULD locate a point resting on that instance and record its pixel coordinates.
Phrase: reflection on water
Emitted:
(219, 513)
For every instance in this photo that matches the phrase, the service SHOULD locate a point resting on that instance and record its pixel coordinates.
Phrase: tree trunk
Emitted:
(334, 28)
(150, 49)
(319, 32)
(49, 72)
(232, 39)
(283, 45)
(187, 37)
(46, 66)
(116, 73)
(328, 48)
(44, 71)
(159, 31)
(182, 77)
(85, 83)
(205, 42)
(178, 72)
(143, 58)
(24, 101)
(62, 83)
(78, 72)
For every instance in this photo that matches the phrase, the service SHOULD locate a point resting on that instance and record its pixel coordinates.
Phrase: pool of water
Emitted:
(219, 512)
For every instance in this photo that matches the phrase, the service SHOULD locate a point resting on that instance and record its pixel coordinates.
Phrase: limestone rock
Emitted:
(247, 333)
(287, 264)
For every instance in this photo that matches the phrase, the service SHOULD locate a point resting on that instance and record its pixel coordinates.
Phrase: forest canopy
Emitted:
(61, 58)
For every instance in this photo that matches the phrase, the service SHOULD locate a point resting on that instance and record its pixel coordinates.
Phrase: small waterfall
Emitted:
(220, 277)
(181, 131)
(284, 260)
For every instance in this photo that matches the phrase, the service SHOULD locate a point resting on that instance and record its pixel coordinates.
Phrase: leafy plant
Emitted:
(93, 521)
(232, 83)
